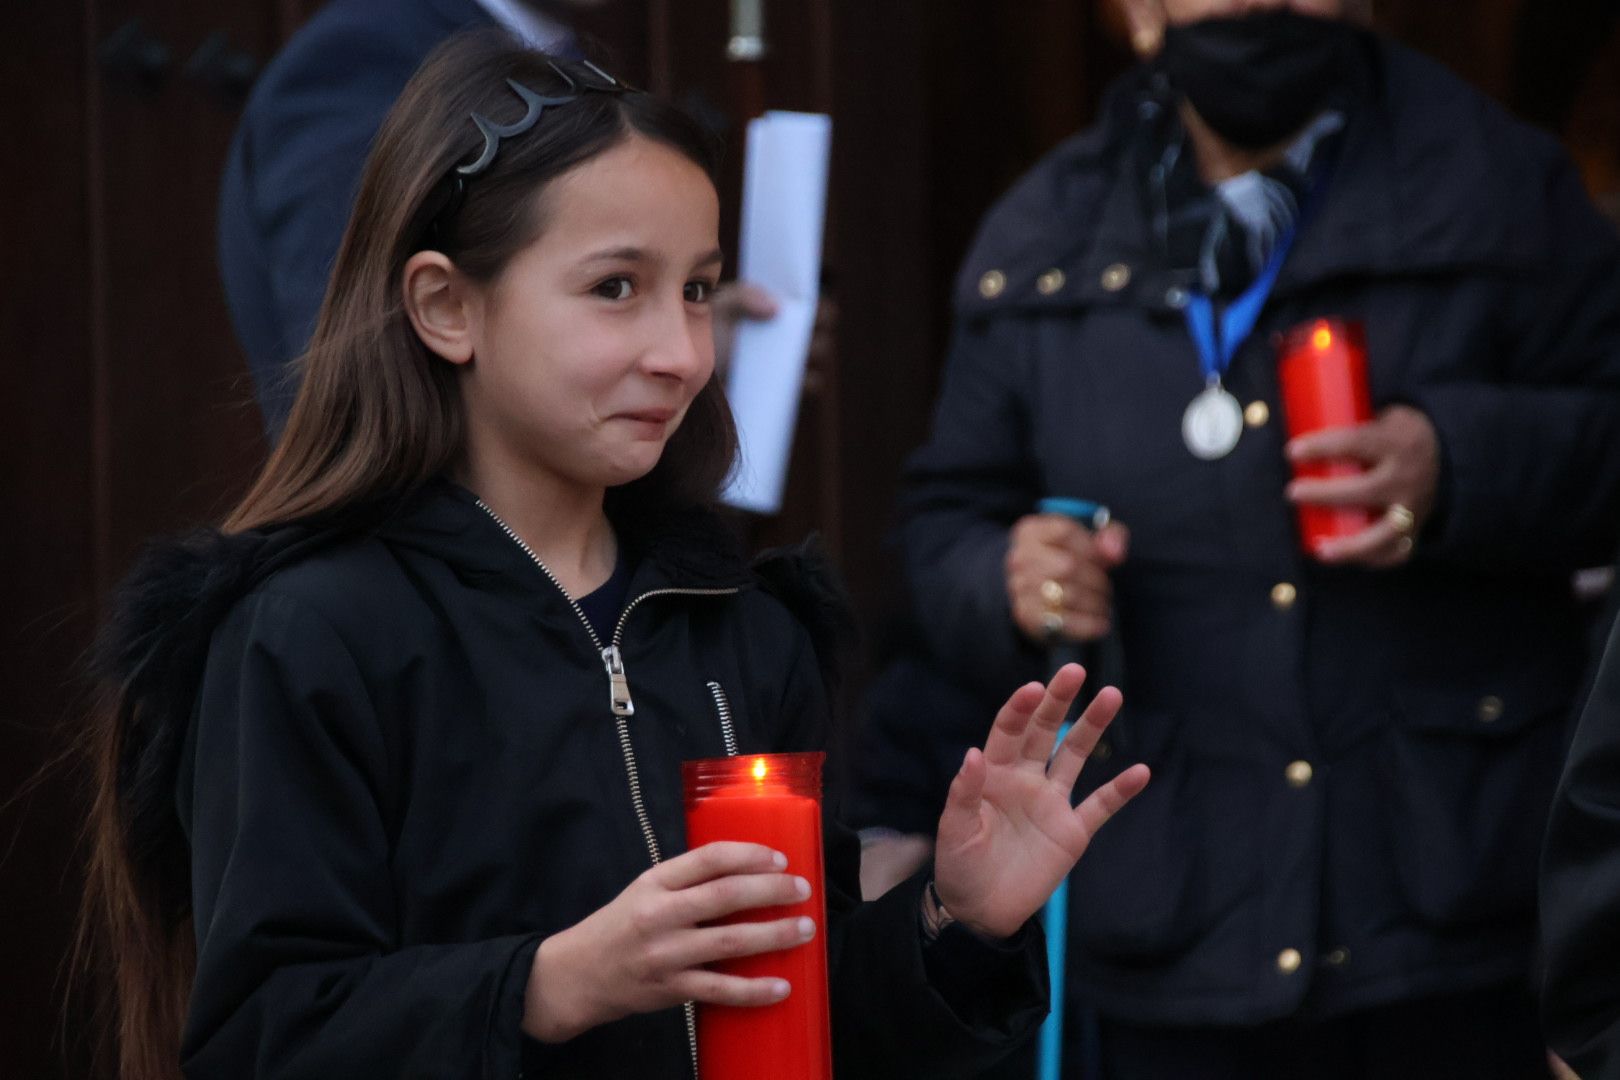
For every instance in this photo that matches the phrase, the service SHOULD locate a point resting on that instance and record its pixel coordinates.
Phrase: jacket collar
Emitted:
(692, 549)
(1416, 188)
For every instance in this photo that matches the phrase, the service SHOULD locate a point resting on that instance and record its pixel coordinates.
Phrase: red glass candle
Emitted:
(775, 800)
(1323, 374)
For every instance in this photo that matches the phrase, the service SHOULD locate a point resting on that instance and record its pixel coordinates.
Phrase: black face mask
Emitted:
(1257, 79)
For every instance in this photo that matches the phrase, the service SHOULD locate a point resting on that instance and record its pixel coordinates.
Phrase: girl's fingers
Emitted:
(706, 945)
(1007, 733)
(736, 892)
(743, 299)
(1077, 746)
(714, 988)
(719, 859)
(1107, 800)
(1049, 714)
(967, 788)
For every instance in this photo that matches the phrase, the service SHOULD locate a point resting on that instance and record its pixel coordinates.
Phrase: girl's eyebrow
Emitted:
(618, 254)
(635, 254)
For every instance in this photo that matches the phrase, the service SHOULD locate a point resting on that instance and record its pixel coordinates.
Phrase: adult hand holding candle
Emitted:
(1401, 452)
(1009, 834)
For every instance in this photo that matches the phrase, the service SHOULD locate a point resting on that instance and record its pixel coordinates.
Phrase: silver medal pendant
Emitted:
(1212, 424)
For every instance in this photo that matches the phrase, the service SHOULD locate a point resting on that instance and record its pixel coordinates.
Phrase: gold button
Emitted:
(1288, 961)
(1257, 414)
(1339, 957)
(1116, 277)
(1050, 282)
(1283, 595)
(1299, 774)
(1102, 751)
(1491, 708)
(992, 284)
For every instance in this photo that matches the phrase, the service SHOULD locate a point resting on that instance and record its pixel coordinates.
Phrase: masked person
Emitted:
(1333, 874)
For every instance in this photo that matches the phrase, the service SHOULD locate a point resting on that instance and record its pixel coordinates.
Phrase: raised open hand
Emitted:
(1009, 835)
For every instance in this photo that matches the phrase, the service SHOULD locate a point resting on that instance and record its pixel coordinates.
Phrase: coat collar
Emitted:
(1418, 187)
(690, 549)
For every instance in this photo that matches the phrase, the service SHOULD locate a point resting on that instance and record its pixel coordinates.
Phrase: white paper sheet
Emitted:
(779, 249)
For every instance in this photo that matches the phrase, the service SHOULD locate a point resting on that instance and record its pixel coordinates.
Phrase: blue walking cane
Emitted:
(1100, 659)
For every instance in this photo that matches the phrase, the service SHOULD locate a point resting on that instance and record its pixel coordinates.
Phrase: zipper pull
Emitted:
(618, 683)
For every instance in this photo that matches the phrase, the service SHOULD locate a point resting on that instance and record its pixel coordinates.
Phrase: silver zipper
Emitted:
(722, 705)
(618, 684)
(619, 701)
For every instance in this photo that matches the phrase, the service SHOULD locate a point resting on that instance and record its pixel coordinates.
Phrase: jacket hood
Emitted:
(156, 637)
(149, 657)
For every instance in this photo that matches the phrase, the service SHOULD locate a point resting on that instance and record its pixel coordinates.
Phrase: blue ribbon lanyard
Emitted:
(1216, 352)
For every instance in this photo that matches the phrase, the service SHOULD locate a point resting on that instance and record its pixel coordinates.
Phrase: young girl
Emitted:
(397, 750)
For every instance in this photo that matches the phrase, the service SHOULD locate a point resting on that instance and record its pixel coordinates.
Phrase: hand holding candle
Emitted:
(1401, 452)
(1009, 835)
(648, 948)
(775, 800)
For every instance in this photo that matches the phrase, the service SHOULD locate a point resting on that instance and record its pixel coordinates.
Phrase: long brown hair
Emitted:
(377, 415)
(377, 412)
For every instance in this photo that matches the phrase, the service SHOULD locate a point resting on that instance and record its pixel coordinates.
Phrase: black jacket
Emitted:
(1580, 889)
(402, 771)
(1429, 702)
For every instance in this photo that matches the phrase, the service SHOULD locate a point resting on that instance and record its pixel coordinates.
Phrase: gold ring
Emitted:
(1400, 519)
(1053, 594)
(1052, 623)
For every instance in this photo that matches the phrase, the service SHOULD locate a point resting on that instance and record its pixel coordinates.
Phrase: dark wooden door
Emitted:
(128, 415)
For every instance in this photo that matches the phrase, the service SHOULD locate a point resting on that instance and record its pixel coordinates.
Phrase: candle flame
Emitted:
(1322, 338)
(760, 768)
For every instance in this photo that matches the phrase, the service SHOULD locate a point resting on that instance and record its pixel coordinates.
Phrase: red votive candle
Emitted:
(775, 800)
(1323, 373)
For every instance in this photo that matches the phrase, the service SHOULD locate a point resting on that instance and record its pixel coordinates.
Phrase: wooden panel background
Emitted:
(47, 477)
(129, 415)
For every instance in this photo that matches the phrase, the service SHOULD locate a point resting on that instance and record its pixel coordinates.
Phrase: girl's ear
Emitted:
(440, 303)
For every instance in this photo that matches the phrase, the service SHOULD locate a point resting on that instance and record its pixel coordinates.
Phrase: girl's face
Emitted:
(587, 349)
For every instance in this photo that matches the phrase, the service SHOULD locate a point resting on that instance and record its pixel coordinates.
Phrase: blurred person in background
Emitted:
(1334, 872)
(294, 164)
(1580, 889)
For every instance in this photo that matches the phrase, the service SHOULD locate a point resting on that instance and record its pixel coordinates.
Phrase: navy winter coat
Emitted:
(1352, 768)
(294, 167)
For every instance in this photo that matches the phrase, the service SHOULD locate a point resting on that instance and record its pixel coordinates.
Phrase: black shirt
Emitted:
(603, 604)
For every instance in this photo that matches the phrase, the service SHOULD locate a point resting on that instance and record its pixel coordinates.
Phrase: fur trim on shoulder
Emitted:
(149, 658)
